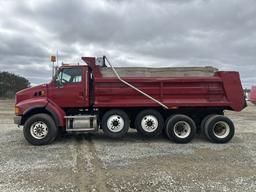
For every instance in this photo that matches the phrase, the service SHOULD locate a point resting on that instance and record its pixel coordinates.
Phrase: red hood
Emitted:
(39, 90)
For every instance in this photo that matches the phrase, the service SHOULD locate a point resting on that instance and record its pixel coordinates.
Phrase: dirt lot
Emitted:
(95, 163)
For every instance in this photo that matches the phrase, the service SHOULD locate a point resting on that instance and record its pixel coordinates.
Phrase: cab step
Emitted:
(81, 130)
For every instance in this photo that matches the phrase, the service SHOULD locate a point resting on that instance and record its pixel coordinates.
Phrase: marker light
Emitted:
(53, 58)
(17, 110)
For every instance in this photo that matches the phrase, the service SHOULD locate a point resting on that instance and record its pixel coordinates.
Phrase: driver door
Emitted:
(68, 89)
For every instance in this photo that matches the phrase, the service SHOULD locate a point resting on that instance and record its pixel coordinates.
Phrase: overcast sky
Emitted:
(219, 33)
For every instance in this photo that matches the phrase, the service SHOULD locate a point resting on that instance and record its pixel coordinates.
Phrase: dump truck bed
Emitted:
(221, 89)
(202, 87)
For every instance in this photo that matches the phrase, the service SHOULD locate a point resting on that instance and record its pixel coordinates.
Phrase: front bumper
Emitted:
(17, 120)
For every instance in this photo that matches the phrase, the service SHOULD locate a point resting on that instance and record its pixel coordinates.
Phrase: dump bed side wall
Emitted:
(174, 92)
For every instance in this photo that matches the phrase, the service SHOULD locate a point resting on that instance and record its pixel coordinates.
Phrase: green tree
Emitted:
(11, 83)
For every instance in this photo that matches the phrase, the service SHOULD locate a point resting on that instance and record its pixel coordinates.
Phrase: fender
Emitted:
(30, 104)
(57, 113)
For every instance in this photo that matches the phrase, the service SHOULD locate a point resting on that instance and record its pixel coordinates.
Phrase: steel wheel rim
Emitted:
(39, 130)
(221, 129)
(115, 123)
(182, 129)
(149, 123)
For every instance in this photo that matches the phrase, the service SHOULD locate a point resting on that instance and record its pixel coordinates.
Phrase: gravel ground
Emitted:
(89, 162)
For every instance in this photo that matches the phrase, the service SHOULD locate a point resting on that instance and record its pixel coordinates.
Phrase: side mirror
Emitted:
(58, 83)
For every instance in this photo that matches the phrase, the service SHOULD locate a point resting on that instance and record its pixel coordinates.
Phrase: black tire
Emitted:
(202, 125)
(172, 125)
(220, 129)
(40, 120)
(151, 117)
(118, 116)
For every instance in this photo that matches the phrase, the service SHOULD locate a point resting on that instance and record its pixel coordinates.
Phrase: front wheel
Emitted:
(40, 129)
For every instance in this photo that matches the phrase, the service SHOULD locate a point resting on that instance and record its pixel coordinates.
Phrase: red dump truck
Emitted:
(252, 96)
(178, 102)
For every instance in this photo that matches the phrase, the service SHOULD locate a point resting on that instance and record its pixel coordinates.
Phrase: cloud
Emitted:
(131, 33)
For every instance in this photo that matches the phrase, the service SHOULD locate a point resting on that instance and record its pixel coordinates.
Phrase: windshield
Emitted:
(69, 75)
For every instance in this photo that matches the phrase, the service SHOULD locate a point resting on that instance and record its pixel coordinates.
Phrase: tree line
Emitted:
(11, 83)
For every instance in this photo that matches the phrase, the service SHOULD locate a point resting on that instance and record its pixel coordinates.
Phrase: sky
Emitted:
(150, 33)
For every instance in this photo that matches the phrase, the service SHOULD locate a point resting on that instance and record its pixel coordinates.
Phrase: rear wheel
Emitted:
(40, 129)
(180, 128)
(115, 123)
(202, 125)
(219, 129)
(149, 123)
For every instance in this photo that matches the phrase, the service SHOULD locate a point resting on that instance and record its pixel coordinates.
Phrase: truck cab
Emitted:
(73, 82)
(57, 102)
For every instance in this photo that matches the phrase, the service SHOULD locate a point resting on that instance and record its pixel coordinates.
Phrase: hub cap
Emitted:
(115, 123)
(149, 123)
(221, 129)
(182, 129)
(39, 130)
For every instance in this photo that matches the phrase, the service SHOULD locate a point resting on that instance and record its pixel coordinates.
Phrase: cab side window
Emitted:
(70, 75)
